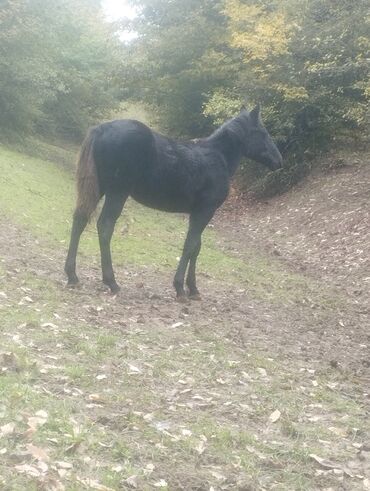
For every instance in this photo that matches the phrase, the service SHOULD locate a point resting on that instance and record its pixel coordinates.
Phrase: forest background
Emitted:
(188, 66)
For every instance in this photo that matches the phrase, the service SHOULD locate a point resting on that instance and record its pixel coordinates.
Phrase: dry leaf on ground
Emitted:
(7, 429)
(275, 416)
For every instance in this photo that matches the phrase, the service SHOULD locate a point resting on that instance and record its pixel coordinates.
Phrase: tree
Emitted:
(56, 66)
(177, 58)
(303, 60)
(26, 68)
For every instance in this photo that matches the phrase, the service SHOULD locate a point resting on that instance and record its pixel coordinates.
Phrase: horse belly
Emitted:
(162, 198)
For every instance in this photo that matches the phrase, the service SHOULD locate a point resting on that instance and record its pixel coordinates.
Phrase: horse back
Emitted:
(157, 171)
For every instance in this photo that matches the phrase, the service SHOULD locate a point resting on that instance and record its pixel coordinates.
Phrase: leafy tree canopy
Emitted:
(196, 61)
(57, 62)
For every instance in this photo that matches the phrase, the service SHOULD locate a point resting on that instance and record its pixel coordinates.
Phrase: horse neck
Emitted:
(229, 145)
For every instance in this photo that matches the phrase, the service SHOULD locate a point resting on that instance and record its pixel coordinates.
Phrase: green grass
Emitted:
(114, 421)
(197, 413)
(39, 195)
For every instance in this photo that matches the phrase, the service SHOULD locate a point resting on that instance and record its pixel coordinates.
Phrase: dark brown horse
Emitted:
(126, 158)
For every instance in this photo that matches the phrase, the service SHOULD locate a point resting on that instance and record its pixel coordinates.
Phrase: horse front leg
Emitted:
(191, 277)
(197, 223)
(112, 209)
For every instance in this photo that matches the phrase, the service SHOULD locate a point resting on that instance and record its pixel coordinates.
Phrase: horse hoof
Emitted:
(73, 284)
(182, 298)
(195, 296)
(114, 289)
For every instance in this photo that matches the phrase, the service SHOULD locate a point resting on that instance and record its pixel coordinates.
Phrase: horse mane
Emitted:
(236, 126)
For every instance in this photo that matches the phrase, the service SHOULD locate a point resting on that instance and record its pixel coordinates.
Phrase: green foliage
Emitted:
(304, 61)
(273, 183)
(176, 60)
(221, 105)
(192, 64)
(197, 61)
(26, 71)
(56, 66)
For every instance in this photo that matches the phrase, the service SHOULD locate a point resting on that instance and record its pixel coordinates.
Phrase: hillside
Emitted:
(264, 384)
(321, 229)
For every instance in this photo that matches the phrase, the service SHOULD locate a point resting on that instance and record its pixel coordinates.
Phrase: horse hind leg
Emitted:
(80, 220)
(112, 209)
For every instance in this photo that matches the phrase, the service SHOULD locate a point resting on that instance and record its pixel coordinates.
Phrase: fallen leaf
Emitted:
(200, 448)
(37, 453)
(62, 473)
(42, 414)
(49, 324)
(26, 299)
(218, 476)
(101, 377)
(221, 381)
(7, 429)
(324, 462)
(338, 431)
(30, 470)
(35, 421)
(177, 324)
(133, 369)
(132, 481)
(161, 425)
(161, 484)
(95, 397)
(275, 416)
(149, 469)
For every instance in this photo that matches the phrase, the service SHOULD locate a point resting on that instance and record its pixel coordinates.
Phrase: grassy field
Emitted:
(40, 197)
(139, 392)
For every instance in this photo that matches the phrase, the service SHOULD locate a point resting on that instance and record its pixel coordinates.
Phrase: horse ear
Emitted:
(256, 113)
(243, 108)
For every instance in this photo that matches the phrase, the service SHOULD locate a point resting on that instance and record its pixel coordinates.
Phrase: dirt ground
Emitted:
(320, 231)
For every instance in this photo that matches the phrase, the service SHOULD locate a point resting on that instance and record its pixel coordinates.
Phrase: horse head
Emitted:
(257, 144)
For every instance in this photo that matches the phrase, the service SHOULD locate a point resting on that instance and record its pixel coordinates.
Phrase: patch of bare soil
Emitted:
(317, 231)
(320, 229)
(334, 335)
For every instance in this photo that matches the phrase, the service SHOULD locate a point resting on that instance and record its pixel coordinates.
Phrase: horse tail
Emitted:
(88, 190)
